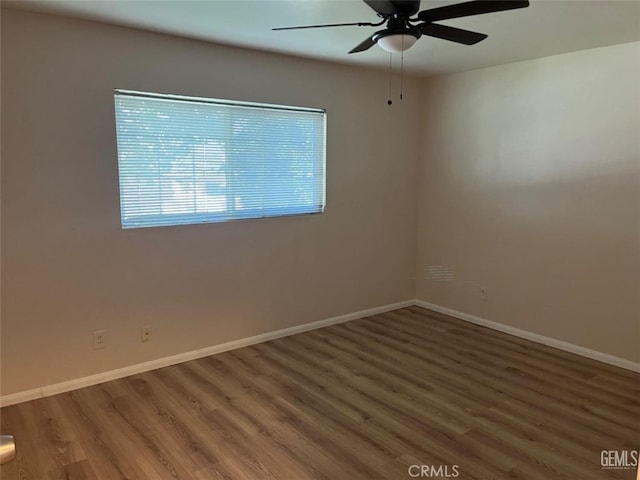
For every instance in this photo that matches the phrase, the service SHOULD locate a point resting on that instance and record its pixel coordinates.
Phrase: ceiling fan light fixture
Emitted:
(398, 42)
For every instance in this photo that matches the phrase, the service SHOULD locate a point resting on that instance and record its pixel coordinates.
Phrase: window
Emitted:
(185, 160)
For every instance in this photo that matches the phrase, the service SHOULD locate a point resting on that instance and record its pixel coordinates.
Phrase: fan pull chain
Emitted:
(401, 67)
(389, 102)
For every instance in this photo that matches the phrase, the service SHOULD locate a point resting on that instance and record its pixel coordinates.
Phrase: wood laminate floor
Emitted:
(362, 400)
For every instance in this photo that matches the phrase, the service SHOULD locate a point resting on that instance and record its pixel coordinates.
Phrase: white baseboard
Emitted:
(77, 383)
(534, 337)
(20, 397)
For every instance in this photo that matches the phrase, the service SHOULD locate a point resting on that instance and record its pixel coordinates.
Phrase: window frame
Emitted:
(195, 218)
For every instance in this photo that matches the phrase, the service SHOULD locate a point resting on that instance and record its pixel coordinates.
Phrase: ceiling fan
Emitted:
(405, 23)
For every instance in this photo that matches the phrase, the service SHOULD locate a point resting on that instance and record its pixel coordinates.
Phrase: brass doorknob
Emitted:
(7, 449)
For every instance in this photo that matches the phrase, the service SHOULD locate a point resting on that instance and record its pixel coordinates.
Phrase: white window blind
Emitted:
(185, 160)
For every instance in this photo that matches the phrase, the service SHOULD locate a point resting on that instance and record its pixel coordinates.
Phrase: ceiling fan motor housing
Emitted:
(390, 7)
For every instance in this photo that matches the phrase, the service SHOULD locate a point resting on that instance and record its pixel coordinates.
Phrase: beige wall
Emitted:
(531, 187)
(67, 267)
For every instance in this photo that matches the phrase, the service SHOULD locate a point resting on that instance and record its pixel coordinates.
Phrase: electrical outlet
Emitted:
(145, 334)
(99, 339)
(484, 293)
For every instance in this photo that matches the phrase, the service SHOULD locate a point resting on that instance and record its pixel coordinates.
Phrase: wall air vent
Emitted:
(439, 273)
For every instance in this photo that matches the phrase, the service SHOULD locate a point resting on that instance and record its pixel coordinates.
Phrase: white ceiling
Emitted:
(547, 27)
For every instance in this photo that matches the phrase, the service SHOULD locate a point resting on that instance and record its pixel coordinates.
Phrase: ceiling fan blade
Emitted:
(467, 9)
(366, 45)
(356, 24)
(466, 37)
